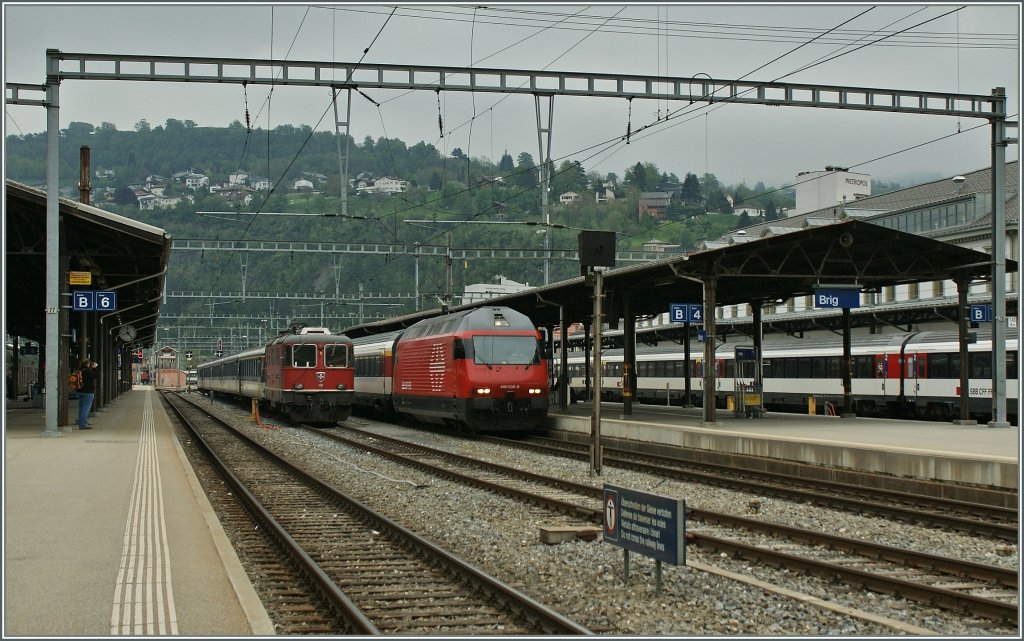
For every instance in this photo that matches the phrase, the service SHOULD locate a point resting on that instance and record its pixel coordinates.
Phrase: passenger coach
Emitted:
(899, 375)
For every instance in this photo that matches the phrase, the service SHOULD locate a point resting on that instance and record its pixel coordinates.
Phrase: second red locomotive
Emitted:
(306, 374)
(482, 369)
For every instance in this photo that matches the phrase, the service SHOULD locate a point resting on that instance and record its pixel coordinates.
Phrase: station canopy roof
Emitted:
(123, 255)
(848, 253)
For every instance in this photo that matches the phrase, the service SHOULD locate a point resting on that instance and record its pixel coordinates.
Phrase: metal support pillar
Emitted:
(758, 335)
(416, 259)
(448, 276)
(999, 142)
(243, 259)
(53, 311)
(628, 355)
(544, 147)
(342, 158)
(847, 365)
(709, 351)
(588, 391)
(963, 287)
(563, 357)
(687, 369)
(64, 365)
(360, 303)
(595, 421)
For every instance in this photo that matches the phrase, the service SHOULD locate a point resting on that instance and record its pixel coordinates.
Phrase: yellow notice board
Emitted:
(79, 278)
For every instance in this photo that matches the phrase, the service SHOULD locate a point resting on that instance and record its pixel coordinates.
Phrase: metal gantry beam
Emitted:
(317, 297)
(410, 249)
(96, 66)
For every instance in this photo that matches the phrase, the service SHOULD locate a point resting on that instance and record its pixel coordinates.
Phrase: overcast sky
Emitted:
(968, 51)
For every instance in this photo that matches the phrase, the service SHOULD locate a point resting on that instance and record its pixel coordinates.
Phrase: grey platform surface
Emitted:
(921, 449)
(107, 532)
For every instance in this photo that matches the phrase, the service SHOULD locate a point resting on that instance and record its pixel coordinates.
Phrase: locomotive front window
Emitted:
(303, 356)
(505, 350)
(336, 355)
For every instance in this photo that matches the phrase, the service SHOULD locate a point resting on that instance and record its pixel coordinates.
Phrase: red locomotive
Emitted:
(482, 369)
(305, 374)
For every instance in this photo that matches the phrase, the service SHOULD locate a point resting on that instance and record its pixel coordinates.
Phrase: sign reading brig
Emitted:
(650, 524)
(836, 296)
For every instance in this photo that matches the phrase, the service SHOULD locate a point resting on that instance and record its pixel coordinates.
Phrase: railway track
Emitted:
(971, 518)
(372, 575)
(952, 584)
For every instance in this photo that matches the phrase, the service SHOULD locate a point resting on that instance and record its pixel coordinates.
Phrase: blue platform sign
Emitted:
(650, 524)
(745, 354)
(686, 313)
(86, 300)
(106, 301)
(836, 298)
(83, 300)
(980, 313)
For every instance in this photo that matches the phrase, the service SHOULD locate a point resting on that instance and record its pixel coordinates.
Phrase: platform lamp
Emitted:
(597, 252)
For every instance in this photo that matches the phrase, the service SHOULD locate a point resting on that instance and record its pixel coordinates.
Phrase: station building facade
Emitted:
(956, 210)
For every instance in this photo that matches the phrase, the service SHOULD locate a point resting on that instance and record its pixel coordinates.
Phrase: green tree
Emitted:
(691, 191)
(569, 177)
(507, 165)
(636, 176)
(526, 176)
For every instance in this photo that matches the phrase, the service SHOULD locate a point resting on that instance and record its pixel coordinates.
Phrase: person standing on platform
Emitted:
(87, 393)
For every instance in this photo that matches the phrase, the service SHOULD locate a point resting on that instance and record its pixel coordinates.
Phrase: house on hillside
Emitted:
(674, 190)
(149, 201)
(604, 194)
(389, 185)
(753, 212)
(233, 193)
(569, 197)
(195, 181)
(259, 183)
(239, 196)
(654, 203)
(303, 184)
(237, 177)
(386, 185)
(655, 245)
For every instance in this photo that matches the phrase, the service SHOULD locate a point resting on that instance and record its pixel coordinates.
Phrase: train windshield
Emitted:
(336, 355)
(505, 350)
(303, 355)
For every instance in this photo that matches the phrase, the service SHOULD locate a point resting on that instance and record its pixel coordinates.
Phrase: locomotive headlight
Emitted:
(341, 386)
(535, 390)
(483, 390)
(298, 386)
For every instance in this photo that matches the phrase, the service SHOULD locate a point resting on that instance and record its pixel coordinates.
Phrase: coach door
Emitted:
(881, 372)
(911, 363)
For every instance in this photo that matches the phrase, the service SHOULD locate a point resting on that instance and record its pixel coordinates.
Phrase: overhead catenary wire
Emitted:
(470, 122)
(273, 186)
(692, 30)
